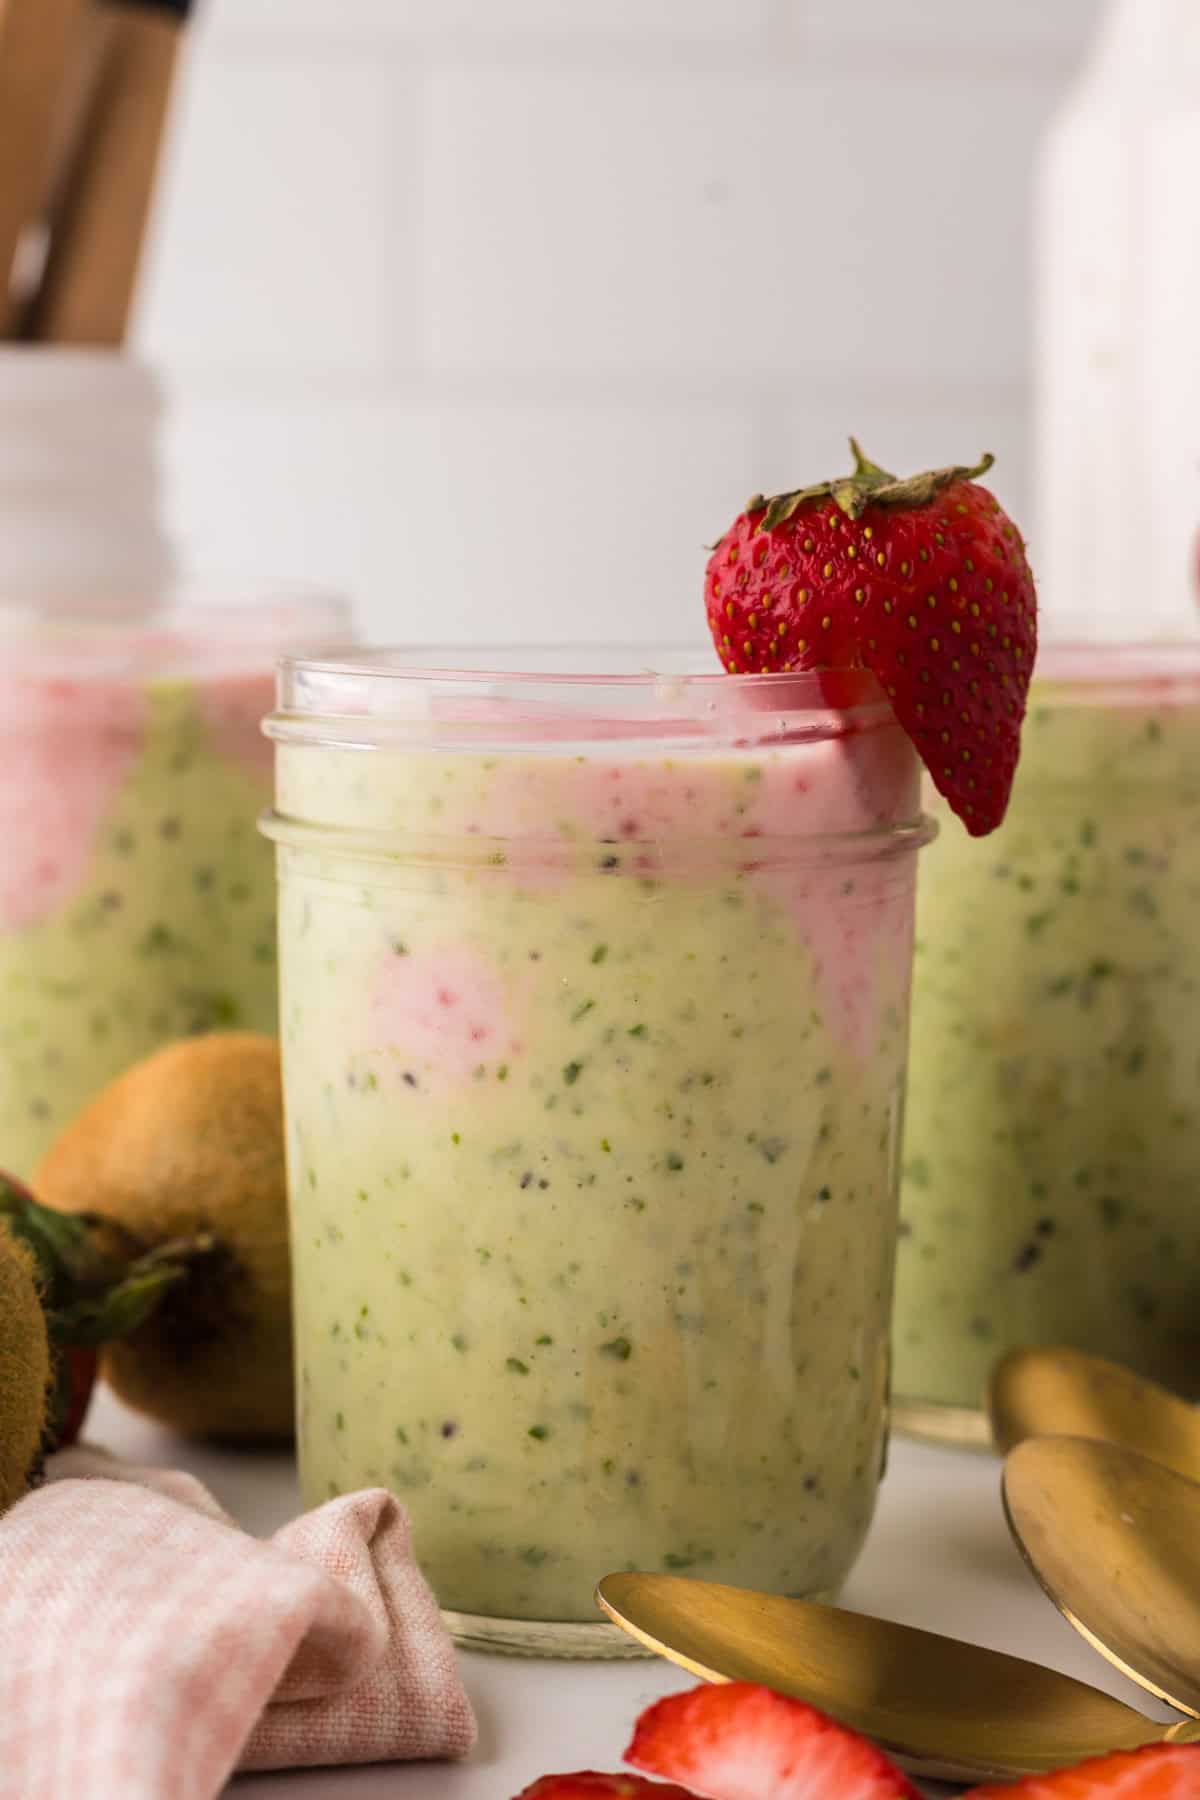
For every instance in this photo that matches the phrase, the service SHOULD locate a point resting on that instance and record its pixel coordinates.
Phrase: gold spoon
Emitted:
(944, 1709)
(1059, 1392)
(1114, 1539)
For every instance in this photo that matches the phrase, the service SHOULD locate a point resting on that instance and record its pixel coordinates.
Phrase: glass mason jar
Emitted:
(1052, 1137)
(594, 1014)
(136, 896)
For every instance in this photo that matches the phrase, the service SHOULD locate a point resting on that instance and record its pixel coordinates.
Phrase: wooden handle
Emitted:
(37, 43)
(87, 289)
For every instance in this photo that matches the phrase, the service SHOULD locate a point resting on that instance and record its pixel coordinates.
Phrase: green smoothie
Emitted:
(1052, 1143)
(137, 899)
(593, 1069)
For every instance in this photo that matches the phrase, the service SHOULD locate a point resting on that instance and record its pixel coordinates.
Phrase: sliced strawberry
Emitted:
(923, 581)
(741, 1742)
(587, 1785)
(1156, 1772)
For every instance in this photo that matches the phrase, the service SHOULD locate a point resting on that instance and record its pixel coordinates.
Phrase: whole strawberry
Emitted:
(923, 581)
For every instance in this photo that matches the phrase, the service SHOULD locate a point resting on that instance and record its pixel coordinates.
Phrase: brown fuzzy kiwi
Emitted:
(24, 1369)
(191, 1141)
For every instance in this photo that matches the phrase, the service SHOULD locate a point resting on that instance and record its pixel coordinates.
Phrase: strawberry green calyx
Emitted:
(867, 485)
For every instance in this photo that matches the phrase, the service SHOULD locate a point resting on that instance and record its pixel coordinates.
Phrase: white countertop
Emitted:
(939, 1556)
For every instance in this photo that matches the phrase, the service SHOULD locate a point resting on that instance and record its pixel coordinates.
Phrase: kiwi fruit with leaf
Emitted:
(185, 1149)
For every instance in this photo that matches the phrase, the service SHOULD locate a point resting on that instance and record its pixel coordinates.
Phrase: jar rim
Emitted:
(561, 694)
(1147, 671)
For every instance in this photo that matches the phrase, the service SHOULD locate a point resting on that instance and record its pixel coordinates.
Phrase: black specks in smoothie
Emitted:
(1026, 1257)
(515, 1366)
(449, 1428)
(599, 953)
(539, 1432)
(409, 1078)
(526, 1179)
(571, 1073)
(674, 1161)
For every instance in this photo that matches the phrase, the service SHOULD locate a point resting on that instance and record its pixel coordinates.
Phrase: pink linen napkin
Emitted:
(149, 1647)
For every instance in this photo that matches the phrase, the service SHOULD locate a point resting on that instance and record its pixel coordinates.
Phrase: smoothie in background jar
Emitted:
(1051, 1190)
(594, 1012)
(136, 897)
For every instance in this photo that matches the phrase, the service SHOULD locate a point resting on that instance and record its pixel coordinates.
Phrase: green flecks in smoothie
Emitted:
(571, 1073)
(157, 940)
(688, 1558)
(401, 1435)
(533, 1556)
(456, 1138)
(339, 1421)
(1036, 923)
(1078, 1038)
(653, 1033)
(459, 1340)
(502, 1072)
(599, 953)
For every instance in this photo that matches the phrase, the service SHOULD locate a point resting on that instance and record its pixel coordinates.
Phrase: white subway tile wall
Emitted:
(494, 311)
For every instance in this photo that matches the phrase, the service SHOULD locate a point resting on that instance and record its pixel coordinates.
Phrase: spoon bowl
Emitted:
(1065, 1393)
(1114, 1539)
(942, 1708)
